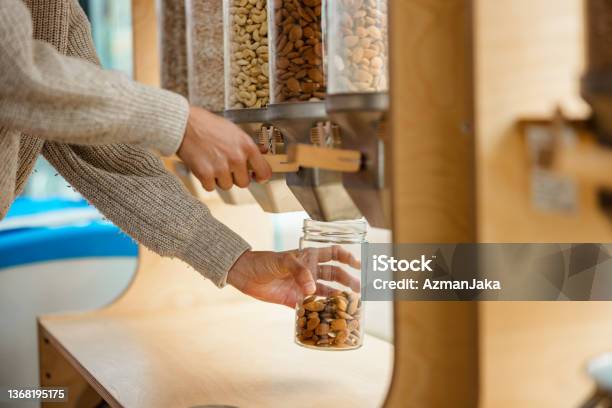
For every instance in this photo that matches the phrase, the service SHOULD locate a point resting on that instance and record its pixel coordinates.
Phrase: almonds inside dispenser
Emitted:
(297, 51)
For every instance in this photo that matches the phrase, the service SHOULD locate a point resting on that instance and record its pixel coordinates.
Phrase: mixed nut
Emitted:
(248, 84)
(358, 42)
(298, 42)
(330, 322)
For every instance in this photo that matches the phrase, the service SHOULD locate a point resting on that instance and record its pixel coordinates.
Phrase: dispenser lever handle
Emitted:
(280, 163)
(343, 160)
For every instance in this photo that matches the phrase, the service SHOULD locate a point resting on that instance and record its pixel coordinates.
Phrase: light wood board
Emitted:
(529, 59)
(238, 354)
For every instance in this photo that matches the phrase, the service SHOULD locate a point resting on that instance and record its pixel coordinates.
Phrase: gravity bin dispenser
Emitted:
(319, 110)
(247, 93)
(329, 94)
(297, 109)
(357, 97)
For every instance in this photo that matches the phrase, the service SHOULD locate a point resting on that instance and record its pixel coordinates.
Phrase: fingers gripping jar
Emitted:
(332, 318)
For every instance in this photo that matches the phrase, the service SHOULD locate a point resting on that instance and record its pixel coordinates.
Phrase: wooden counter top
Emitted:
(190, 345)
(236, 354)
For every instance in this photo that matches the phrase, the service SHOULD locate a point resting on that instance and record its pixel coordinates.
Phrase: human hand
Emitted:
(282, 277)
(217, 152)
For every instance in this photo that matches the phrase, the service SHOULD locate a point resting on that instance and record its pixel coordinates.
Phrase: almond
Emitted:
(344, 315)
(316, 75)
(341, 337)
(322, 342)
(338, 324)
(341, 304)
(314, 306)
(322, 329)
(313, 323)
(295, 33)
(352, 307)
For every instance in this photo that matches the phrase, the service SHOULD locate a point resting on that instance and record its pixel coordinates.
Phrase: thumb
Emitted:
(302, 276)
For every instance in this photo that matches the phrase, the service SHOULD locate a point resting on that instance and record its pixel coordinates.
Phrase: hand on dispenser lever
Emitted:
(217, 152)
(282, 277)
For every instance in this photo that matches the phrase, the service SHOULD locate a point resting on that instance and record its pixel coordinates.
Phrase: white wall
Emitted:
(28, 291)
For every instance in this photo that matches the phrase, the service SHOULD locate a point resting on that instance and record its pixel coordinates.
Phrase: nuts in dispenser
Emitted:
(247, 81)
(205, 53)
(297, 41)
(330, 322)
(358, 46)
(173, 46)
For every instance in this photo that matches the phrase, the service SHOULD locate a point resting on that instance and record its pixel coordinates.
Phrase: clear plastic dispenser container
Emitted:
(332, 319)
(172, 45)
(246, 54)
(205, 63)
(296, 49)
(357, 46)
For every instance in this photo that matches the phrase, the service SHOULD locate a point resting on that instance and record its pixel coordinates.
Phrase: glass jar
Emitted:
(205, 64)
(332, 319)
(246, 54)
(357, 46)
(296, 49)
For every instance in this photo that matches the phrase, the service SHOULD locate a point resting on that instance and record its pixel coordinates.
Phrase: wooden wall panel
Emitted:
(529, 59)
(433, 197)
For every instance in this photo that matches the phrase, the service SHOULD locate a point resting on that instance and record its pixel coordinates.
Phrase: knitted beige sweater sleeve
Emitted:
(68, 99)
(96, 125)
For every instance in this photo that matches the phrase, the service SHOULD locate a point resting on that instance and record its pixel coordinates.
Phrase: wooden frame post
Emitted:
(433, 193)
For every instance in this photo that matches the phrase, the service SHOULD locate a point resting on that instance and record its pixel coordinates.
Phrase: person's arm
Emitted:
(67, 99)
(128, 184)
(131, 188)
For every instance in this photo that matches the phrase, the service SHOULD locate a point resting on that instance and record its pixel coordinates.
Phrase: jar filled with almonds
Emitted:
(296, 49)
(332, 318)
(246, 54)
(358, 46)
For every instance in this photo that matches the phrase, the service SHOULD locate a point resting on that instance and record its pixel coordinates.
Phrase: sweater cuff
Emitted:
(215, 260)
(167, 113)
